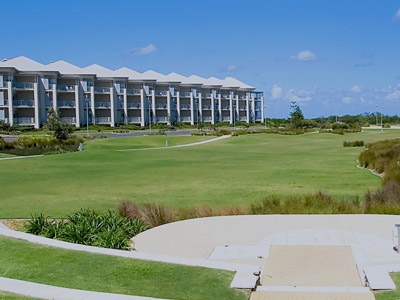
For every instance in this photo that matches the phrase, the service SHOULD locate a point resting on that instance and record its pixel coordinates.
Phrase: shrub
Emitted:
(156, 214)
(353, 144)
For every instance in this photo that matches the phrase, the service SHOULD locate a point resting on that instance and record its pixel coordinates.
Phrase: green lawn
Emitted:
(231, 171)
(102, 273)
(390, 295)
(8, 296)
(3, 155)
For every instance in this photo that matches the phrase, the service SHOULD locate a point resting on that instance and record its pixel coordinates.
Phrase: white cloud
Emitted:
(305, 55)
(347, 100)
(232, 68)
(150, 48)
(362, 99)
(300, 95)
(356, 89)
(395, 95)
(397, 15)
(276, 92)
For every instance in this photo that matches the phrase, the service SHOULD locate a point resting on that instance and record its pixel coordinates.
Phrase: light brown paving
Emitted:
(324, 266)
(310, 296)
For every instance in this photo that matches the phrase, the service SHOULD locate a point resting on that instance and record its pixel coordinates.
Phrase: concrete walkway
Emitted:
(181, 146)
(42, 291)
(17, 157)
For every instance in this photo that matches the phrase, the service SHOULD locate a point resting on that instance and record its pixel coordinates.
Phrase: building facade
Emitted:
(97, 95)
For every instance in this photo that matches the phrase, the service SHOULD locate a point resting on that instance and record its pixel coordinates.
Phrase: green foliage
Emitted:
(296, 115)
(60, 130)
(86, 227)
(353, 144)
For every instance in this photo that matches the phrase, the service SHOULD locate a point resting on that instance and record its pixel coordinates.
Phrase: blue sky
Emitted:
(321, 53)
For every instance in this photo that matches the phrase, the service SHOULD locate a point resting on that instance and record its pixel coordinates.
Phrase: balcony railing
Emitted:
(3, 84)
(24, 121)
(242, 97)
(23, 85)
(216, 96)
(4, 102)
(226, 96)
(225, 119)
(48, 103)
(184, 94)
(133, 92)
(161, 106)
(103, 120)
(243, 118)
(185, 119)
(88, 89)
(134, 119)
(24, 103)
(185, 106)
(242, 107)
(207, 119)
(66, 87)
(206, 95)
(65, 104)
(49, 86)
(133, 105)
(102, 104)
(225, 107)
(161, 119)
(102, 90)
(69, 120)
(208, 107)
(161, 93)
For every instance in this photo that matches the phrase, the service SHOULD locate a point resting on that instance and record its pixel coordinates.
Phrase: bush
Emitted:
(353, 144)
(109, 230)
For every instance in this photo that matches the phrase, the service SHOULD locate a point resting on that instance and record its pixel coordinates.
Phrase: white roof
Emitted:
(233, 82)
(100, 71)
(126, 72)
(22, 63)
(150, 74)
(64, 68)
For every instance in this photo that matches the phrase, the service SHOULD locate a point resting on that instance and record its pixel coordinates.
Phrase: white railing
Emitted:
(243, 118)
(88, 88)
(133, 105)
(241, 97)
(67, 104)
(6, 120)
(24, 121)
(103, 90)
(23, 85)
(216, 96)
(184, 94)
(26, 103)
(161, 106)
(185, 119)
(161, 93)
(226, 96)
(224, 119)
(225, 107)
(66, 87)
(206, 95)
(242, 107)
(207, 119)
(206, 106)
(161, 119)
(134, 120)
(102, 104)
(4, 103)
(185, 106)
(69, 120)
(103, 120)
(133, 92)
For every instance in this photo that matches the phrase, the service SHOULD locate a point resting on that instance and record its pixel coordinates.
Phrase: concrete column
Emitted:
(10, 103)
(212, 109)
(36, 102)
(191, 109)
(262, 109)
(200, 108)
(230, 109)
(247, 110)
(220, 108)
(112, 100)
(92, 107)
(253, 109)
(55, 97)
(169, 107)
(125, 105)
(77, 106)
(142, 107)
(153, 104)
(237, 108)
(178, 106)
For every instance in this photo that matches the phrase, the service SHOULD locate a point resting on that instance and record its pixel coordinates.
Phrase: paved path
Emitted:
(17, 157)
(181, 146)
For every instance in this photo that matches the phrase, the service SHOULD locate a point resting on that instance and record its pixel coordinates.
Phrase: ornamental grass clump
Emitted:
(86, 227)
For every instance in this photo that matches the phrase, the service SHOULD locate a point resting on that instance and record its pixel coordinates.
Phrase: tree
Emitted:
(60, 130)
(296, 115)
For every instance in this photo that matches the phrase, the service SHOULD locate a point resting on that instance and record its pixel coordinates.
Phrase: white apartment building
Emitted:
(97, 95)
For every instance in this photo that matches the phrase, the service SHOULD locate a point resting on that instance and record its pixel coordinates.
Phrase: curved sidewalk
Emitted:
(181, 146)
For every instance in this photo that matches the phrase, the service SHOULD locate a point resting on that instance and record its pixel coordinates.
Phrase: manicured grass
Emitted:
(390, 295)
(102, 273)
(3, 155)
(8, 296)
(228, 172)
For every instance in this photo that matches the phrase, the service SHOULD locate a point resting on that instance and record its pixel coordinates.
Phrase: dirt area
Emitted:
(14, 224)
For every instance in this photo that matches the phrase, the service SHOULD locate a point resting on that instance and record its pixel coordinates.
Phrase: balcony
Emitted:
(206, 96)
(24, 121)
(132, 105)
(103, 120)
(225, 96)
(242, 107)
(68, 120)
(66, 88)
(184, 94)
(23, 103)
(102, 90)
(134, 119)
(102, 104)
(225, 119)
(88, 89)
(3, 84)
(49, 87)
(133, 92)
(65, 104)
(23, 85)
(161, 93)
(4, 103)
(48, 103)
(242, 97)
(185, 106)
(243, 118)
(215, 96)
(185, 119)
(225, 107)
(161, 106)
(161, 119)
(206, 107)
(207, 119)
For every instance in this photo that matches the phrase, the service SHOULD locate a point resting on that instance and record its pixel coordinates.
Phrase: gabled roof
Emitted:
(64, 68)
(100, 71)
(213, 81)
(150, 74)
(126, 72)
(233, 82)
(22, 63)
(176, 77)
(194, 79)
